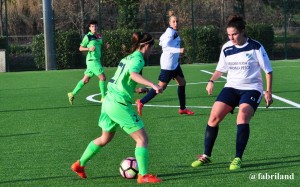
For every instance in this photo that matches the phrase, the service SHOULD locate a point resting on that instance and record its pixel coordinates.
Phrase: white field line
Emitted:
(274, 96)
(91, 98)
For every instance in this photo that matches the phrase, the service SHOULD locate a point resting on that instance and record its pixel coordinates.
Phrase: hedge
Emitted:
(205, 42)
(66, 50)
(263, 33)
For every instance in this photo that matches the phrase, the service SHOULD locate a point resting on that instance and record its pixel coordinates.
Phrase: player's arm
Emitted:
(210, 84)
(140, 79)
(84, 43)
(268, 93)
(82, 48)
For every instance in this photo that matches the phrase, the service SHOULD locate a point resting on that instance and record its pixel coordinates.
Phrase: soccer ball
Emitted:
(129, 168)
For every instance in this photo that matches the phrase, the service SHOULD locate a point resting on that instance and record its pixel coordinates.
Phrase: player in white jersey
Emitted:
(170, 67)
(242, 59)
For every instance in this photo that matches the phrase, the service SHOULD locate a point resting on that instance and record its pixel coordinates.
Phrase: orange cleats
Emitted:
(148, 178)
(186, 111)
(139, 106)
(77, 168)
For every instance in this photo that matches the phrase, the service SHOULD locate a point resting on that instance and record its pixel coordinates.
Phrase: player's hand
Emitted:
(157, 88)
(268, 99)
(210, 88)
(142, 90)
(182, 51)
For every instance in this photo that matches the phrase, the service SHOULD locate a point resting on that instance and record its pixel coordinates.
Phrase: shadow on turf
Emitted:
(33, 179)
(259, 165)
(46, 108)
(21, 134)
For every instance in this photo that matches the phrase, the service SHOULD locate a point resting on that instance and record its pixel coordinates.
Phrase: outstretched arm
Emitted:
(268, 93)
(140, 79)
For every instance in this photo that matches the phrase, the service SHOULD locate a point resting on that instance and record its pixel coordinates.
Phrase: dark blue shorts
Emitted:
(234, 97)
(167, 75)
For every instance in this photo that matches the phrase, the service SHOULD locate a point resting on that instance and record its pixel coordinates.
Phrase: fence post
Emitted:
(285, 38)
(193, 30)
(2, 60)
(49, 35)
(6, 45)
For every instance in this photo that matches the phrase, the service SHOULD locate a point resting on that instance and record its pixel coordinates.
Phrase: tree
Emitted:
(1, 23)
(239, 7)
(128, 13)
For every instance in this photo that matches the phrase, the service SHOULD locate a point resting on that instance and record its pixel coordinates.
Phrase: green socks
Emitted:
(142, 157)
(91, 150)
(79, 85)
(102, 85)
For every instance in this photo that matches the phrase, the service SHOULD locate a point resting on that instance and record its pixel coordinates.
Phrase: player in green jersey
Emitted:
(117, 110)
(91, 43)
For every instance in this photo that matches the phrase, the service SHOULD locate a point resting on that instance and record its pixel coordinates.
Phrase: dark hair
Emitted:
(93, 22)
(237, 22)
(140, 39)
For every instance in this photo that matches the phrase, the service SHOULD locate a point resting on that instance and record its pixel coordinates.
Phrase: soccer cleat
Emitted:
(139, 106)
(148, 178)
(77, 168)
(71, 98)
(186, 111)
(235, 164)
(202, 159)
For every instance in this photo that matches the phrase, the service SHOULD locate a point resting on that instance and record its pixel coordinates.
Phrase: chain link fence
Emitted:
(152, 17)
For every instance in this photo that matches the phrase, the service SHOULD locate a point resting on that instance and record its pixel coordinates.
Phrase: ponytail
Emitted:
(140, 39)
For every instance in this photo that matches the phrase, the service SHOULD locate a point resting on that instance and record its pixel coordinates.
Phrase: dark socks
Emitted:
(242, 136)
(211, 134)
(181, 96)
(150, 95)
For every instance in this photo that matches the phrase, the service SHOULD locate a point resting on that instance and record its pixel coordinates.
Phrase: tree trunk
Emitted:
(82, 17)
(1, 25)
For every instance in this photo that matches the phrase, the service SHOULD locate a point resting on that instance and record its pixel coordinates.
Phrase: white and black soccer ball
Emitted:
(129, 168)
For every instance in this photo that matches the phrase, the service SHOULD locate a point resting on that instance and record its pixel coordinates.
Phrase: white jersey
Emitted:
(243, 65)
(170, 43)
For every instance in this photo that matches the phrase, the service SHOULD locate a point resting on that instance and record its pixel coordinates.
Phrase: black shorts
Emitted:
(234, 97)
(167, 75)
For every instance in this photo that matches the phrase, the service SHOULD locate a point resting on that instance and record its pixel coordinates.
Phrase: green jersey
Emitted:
(90, 40)
(121, 86)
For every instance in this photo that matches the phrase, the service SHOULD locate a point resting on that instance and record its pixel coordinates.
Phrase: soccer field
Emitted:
(42, 134)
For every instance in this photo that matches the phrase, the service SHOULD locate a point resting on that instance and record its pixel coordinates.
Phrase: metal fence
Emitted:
(153, 17)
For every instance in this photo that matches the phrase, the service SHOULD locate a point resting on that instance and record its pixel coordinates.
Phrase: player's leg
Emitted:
(141, 154)
(132, 124)
(91, 150)
(141, 150)
(177, 74)
(102, 85)
(248, 104)
(98, 70)
(218, 113)
(181, 95)
(164, 78)
(108, 131)
(79, 85)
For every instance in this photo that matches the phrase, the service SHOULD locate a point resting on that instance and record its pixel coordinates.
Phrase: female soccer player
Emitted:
(117, 110)
(242, 59)
(92, 43)
(170, 68)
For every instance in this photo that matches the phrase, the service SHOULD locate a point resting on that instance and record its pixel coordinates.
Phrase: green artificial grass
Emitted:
(42, 134)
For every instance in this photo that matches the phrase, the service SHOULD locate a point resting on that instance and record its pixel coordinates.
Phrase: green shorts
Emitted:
(115, 114)
(93, 68)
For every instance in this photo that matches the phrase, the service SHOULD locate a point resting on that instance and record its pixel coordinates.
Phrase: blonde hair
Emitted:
(171, 15)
